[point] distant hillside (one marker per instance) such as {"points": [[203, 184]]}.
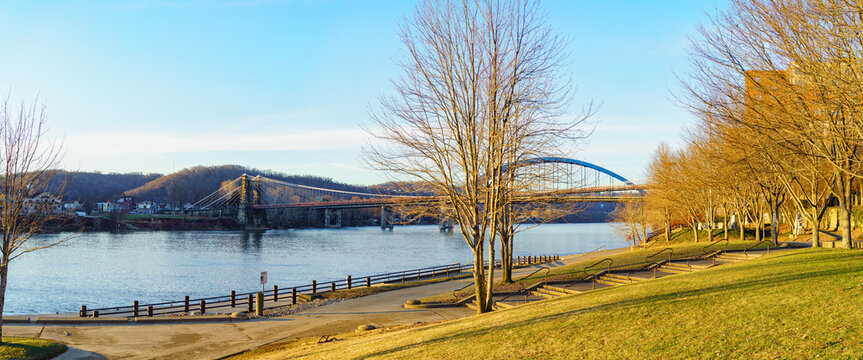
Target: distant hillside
{"points": [[192, 184], [92, 187]]}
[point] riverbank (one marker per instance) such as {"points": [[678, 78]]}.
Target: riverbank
{"points": [[215, 340], [156, 222]]}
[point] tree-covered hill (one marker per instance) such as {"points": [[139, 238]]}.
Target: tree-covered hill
{"points": [[192, 184], [90, 187]]}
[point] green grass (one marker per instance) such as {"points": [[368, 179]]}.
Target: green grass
{"points": [[798, 304], [27, 348], [631, 259]]}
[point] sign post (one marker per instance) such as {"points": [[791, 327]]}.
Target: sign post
{"points": [[263, 280]]}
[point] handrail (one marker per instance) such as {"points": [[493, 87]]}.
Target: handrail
{"points": [[597, 249], [460, 289], [768, 241], [541, 268], [608, 267], [547, 270], [703, 250], [670, 253]]}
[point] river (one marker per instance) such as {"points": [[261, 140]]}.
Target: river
{"points": [[109, 269]]}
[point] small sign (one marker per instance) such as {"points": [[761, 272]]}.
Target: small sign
{"points": [[263, 277]]}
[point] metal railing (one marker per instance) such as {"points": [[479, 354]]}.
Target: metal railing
{"points": [[522, 289], [670, 254], [768, 241], [295, 294], [704, 249]]}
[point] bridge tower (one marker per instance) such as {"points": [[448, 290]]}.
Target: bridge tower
{"points": [[386, 218], [250, 195]]}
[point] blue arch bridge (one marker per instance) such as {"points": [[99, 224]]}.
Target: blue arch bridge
{"points": [[551, 180]]}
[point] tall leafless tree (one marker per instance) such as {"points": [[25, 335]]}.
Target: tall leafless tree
{"points": [[481, 87], [27, 200]]}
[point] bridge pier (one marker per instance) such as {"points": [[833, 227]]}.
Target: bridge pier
{"points": [[446, 224], [330, 215], [250, 195], [386, 218]]}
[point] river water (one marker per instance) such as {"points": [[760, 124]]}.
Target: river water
{"points": [[110, 269]]}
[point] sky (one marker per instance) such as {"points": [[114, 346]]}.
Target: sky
{"points": [[158, 85]]}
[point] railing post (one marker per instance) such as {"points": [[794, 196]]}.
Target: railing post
{"points": [[233, 298], [333, 286], [95, 313], [259, 304], [203, 306], [403, 276], [135, 308], [314, 287], [149, 310], [275, 293], [83, 312], [349, 282], [249, 301], [186, 303], [418, 274], [368, 281], [293, 296]]}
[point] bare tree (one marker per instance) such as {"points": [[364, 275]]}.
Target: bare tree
{"points": [[660, 198], [481, 87], [630, 220], [794, 66], [29, 163]]}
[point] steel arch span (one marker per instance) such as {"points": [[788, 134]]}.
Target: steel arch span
{"points": [[561, 160]]}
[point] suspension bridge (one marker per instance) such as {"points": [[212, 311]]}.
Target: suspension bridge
{"points": [[562, 180]]}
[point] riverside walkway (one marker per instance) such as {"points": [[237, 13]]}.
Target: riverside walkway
{"points": [[217, 340]]}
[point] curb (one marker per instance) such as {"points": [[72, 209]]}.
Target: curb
{"points": [[129, 321]]}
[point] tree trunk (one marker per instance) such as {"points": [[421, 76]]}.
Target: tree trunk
{"points": [[725, 222], [506, 256], [844, 182], [490, 276], [816, 224], [479, 273], [667, 230], [774, 230], [695, 229], [758, 226], [4, 273]]}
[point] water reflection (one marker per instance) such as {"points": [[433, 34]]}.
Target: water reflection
{"points": [[251, 240]]}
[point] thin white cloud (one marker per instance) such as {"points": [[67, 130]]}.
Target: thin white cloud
{"points": [[161, 142]]}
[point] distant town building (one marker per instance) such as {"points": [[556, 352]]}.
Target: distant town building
{"points": [[147, 207], [43, 202]]}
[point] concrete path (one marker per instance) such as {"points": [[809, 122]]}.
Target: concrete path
{"points": [[215, 340]]}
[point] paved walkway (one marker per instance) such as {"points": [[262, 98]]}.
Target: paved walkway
{"points": [[215, 340]]}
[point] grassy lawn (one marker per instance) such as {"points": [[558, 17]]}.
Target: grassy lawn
{"points": [[631, 259], [799, 304], [26, 348]]}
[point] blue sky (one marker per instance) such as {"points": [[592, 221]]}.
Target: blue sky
{"points": [[156, 86]]}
